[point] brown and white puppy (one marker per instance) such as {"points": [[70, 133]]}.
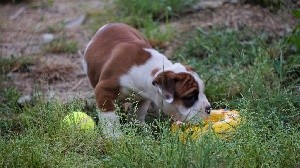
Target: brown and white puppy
{"points": [[119, 60]]}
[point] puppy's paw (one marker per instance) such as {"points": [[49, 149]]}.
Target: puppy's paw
{"points": [[110, 125], [111, 130]]}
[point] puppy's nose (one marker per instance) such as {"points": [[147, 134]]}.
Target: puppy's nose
{"points": [[207, 109]]}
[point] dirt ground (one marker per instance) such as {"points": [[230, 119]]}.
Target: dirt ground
{"points": [[61, 75]]}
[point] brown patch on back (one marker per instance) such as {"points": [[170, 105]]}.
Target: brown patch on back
{"points": [[105, 42], [113, 51]]}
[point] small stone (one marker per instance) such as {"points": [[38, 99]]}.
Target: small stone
{"points": [[75, 23], [210, 4], [47, 37], [27, 99], [10, 75]]}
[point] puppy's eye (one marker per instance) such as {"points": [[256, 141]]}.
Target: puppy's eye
{"points": [[190, 100]]}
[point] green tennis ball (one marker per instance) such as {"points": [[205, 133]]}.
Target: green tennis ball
{"points": [[79, 120]]}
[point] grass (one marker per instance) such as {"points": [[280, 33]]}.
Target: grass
{"points": [[62, 45], [157, 10], [14, 64], [44, 142], [158, 36], [41, 4], [262, 141], [55, 28], [236, 59], [252, 72]]}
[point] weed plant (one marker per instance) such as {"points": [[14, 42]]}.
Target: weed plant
{"points": [[61, 46], [14, 64], [156, 10]]}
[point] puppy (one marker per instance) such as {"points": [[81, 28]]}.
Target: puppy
{"points": [[119, 60]]}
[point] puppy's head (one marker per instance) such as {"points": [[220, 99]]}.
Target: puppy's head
{"points": [[183, 94]]}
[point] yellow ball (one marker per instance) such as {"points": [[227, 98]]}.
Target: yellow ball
{"points": [[79, 120]]}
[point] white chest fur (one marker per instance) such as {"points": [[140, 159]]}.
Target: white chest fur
{"points": [[139, 78]]}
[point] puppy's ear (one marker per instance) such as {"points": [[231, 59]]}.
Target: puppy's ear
{"points": [[165, 82]]}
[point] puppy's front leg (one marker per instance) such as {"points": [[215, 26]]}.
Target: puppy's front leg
{"points": [[106, 94]]}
